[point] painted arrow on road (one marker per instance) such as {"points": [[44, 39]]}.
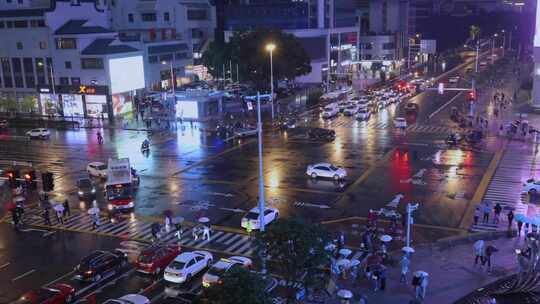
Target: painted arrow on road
{"points": [[395, 202], [233, 210], [302, 204], [220, 194]]}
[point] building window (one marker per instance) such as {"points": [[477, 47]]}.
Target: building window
{"points": [[66, 43], [67, 64], [166, 16], [196, 15], [9, 24], [2, 24], [6, 70], [17, 72], [19, 45], [20, 1], [181, 56], [148, 17], [130, 18], [166, 58], [75, 2], [37, 23], [43, 45], [152, 59], [20, 24], [64, 81], [76, 81], [28, 66], [92, 63], [388, 46], [197, 33]]}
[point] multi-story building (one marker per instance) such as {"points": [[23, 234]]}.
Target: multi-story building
{"points": [[92, 57]]}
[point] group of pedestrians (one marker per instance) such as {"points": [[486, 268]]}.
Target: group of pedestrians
{"points": [[485, 210], [483, 254], [62, 211]]}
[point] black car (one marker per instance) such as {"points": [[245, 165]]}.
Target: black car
{"points": [[85, 188], [321, 134], [97, 264]]}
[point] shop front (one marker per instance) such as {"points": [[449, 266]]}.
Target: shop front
{"points": [[74, 101]]}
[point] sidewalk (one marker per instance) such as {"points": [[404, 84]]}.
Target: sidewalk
{"points": [[452, 274]]}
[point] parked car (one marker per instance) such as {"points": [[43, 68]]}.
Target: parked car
{"points": [[98, 264], [213, 275], [246, 132], [531, 186], [40, 133], [129, 299], [326, 170], [156, 258], [55, 294], [85, 188], [251, 219], [97, 169], [321, 134], [186, 265]]}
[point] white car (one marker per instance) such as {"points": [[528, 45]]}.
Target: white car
{"points": [[363, 114], [330, 110], [39, 133], [251, 219], [129, 299], [400, 122], [326, 170], [186, 265], [453, 80], [246, 132], [343, 105], [97, 169], [531, 186], [351, 110], [213, 275]]}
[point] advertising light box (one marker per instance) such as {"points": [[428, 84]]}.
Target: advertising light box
{"points": [[127, 74]]}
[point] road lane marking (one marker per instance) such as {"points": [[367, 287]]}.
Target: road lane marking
{"points": [[5, 265], [444, 105], [370, 170], [23, 275], [60, 278]]}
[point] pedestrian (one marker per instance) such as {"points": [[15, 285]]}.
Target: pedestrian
{"points": [[178, 232], [510, 217], [46, 217], [476, 215], [404, 268], [382, 279], [15, 219], [487, 210], [496, 213], [478, 252], [94, 221], [167, 224], [417, 283], [195, 233], [67, 210], [375, 277], [59, 216], [487, 258], [526, 229], [519, 225], [206, 232]]}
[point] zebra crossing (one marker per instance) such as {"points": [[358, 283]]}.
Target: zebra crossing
{"points": [[432, 129], [505, 188]]}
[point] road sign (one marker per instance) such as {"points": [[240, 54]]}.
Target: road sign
{"points": [[250, 105], [440, 89]]}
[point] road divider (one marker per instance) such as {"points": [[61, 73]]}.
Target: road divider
{"points": [[23, 275]]}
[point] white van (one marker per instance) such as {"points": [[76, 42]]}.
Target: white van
{"points": [[330, 110]]}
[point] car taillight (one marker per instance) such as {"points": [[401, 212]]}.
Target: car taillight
{"points": [[89, 272]]}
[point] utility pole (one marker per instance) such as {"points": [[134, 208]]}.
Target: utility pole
{"points": [[261, 180], [477, 50], [237, 74], [410, 210]]}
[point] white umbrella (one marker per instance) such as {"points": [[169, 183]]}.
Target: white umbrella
{"points": [[421, 273], [344, 294], [385, 238], [204, 220], [408, 249], [93, 211], [19, 198], [58, 208], [329, 247], [343, 262], [478, 244], [355, 262], [345, 252]]}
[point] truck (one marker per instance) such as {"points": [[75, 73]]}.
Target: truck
{"points": [[121, 183]]}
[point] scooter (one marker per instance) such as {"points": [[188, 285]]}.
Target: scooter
{"points": [[145, 147]]}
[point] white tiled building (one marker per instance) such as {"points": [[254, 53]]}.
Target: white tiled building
{"points": [[92, 57]]}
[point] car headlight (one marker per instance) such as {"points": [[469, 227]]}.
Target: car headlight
{"points": [[80, 193], [110, 207], [93, 190], [131, 205]]}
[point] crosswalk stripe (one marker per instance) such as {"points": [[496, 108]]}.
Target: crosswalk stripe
{"points": [[246, 246], [236, 236], [235, 246]]}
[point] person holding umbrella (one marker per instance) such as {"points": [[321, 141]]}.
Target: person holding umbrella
{"points": [[59, 208], [46, 217], [487, 259], [67, 210], [478, 252], [510, 217]]}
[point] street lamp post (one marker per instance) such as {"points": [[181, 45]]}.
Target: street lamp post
{"points": [[504, 42], [261, 180], [270, 48], [173, 85], [41, 64], [493, 48]]}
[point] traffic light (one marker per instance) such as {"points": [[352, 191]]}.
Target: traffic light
{"points": [[30, 179], [472, 96], [48, 181]]}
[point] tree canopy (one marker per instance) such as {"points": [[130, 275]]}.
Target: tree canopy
{"points": [[239, 286], [248, 50], [298, 248]]}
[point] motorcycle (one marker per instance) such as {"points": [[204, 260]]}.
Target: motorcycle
{"points": [[145, 147]]}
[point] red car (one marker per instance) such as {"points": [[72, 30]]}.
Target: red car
{"points": [[54, 294], [156, 258]]}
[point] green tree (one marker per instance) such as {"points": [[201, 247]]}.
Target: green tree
{"points": [[28, 104], [474, 32], [8, 104], [290, 60], [298, 247], [238, 286]]}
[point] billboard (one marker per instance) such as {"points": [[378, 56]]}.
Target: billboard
{"points": [[126, 74]]}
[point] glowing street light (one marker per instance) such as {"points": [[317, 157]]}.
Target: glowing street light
{"points": [[270, 47]]}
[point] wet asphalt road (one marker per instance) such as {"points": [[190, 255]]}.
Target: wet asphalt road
{"points": [[195, 174]]}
